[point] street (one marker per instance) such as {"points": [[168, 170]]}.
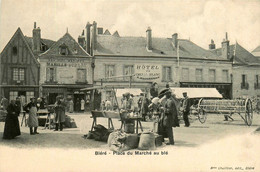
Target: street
{"points": [[203, 145]]}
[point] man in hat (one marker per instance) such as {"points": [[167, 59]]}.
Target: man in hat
{"points": [[186, 109], [170, 118]]}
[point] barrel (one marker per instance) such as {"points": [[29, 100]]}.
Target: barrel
{"points": [[147, 141], [129, 128]]}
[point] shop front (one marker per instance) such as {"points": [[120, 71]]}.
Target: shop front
{"points": [[69, 92], [225, 89], [25, 92]]}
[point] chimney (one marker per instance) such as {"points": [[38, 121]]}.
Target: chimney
{"points": [[149, 38], [175, 40], [225, 47], [212, 45], [100, 30], [88, 37], [81, 39], [93, 36], [36, 43]]}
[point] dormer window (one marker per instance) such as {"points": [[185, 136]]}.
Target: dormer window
{"points": [[63, 49], [14, 51]]}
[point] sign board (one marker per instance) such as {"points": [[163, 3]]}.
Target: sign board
{"points": [[147, 71]]}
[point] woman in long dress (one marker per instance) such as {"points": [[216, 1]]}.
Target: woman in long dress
{"points": [[12, 128], [33, 119], [82, 103]]}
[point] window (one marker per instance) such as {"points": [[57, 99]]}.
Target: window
{"points": [[257, 85], [109, 71], [185, 74], [244, 84], [244, 80], [63, 49], [51, 74], [29, 95], [13, 95], [15, 51], [212, 75], [198, 75], [128, 70], [225, 75], [81, 75], [167, 74], [18, 74]]}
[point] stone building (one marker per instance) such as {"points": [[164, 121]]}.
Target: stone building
{"points": [[65, 69], [20, 68], [245, 70], [178, 62]]}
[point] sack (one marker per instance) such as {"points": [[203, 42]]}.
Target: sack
{"points": [[147, 141], [120, 141]]}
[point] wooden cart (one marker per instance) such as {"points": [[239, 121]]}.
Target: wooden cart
{"points": [[242, 107]]}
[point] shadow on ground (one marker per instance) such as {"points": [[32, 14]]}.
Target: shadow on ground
{"points": [[51, 140]]}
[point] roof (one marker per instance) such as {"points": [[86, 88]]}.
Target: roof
{"points": [[19, 31], [136, 46], [74, 49], [197, 92], [257, 49], [239, 55], [47, 42]]}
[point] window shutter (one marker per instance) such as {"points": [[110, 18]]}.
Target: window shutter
{"points": [[47, 74], [55, 75], [163, 73], [106, 71]]}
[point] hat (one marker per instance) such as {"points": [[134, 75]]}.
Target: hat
{"points": [[184, 93], [32, 98], [168, 92]]}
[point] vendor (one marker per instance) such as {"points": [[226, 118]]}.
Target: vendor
{"points": [[128, 103]]}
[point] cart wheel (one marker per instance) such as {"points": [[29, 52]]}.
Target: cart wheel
{"points": [[202, 115], [249, 112]]}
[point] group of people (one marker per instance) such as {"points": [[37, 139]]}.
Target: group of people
{"points": [[165, 111], [14, 108]]}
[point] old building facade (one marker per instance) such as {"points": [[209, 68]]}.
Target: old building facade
{"points": [[20, 68], [65, 69], [178, 62]]}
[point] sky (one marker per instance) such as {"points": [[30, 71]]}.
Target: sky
{"points": [[197, 20]]}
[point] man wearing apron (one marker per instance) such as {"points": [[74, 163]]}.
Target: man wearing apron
{"points": [[33, 119]]}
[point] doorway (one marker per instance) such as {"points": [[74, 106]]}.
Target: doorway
{"points": [[77, 104], [52, 98]]}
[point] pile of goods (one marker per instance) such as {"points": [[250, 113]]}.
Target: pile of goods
{"points": [[3, 114], [100, 133], [120, 141], [70, 122]]}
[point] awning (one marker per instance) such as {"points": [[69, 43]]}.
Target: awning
{"points": [[197, 92], [134, 91]]}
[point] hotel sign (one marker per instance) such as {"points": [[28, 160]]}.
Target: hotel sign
{"points": [[147, 71]]}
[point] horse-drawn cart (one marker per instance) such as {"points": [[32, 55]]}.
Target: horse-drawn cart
{"points": [[242, 107]]}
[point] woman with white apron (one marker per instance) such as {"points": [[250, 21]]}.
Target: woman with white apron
{"points": [[33, 119]]}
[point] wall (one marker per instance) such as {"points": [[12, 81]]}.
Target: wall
{"points": [[66, 69], [119, 63], [23, 59], [237, 80]]}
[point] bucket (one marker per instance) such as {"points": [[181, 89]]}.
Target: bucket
{"points": [[147, 141], [129, 128]]}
